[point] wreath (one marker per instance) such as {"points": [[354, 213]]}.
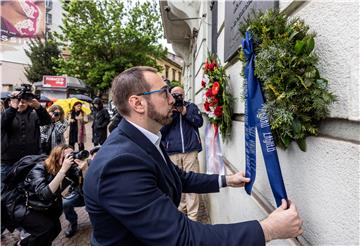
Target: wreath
{"points": [[218, 102], [296, 97]]}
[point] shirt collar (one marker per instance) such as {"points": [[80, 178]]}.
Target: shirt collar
{"points": [[154, 138]]}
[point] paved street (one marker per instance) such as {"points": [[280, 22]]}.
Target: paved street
{"points": [[83, 235]]}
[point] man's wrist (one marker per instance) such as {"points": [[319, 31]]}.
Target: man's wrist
{"points": [[266, 229]]}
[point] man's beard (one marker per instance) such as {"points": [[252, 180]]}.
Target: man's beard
{"points": [[156, 116]]}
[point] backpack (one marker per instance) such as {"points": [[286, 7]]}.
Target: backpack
{"points": [[13, 193]]}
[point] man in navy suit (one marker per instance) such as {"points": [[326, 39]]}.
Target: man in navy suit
{"points": [[132, 189]]}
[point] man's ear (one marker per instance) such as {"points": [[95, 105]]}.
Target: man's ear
{"points": [[137, 104]]}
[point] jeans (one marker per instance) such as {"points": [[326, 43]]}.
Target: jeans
{"points": [[5, 168], [74, 199]]}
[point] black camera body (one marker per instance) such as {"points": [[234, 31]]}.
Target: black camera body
{"points": [[25, 93], [74, 171], [179, 100]]}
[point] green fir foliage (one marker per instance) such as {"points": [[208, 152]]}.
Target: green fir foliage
{"points": [[297, 97], [106, 37], [42, 54]]}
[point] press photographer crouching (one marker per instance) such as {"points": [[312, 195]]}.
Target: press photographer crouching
{"points": [[75, 197], [43, 187]]}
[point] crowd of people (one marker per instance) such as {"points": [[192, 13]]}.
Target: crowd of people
{"points": [[141, 187], [51, 186]]}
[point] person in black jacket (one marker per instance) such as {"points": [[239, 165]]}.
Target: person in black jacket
{"points": [[20, 130], [182, 143], [101, 120], [43, 186], [115, 122]]}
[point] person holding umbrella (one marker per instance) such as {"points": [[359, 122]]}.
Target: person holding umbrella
{"points": [[78, 119], [101, 120]]}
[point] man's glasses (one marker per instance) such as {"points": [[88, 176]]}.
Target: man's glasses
{"points": [[162, 90]]}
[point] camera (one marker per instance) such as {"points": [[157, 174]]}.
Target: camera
{"points": [[179, 100], [81, 155], [25, 93], [74, 171], [56, 114]]}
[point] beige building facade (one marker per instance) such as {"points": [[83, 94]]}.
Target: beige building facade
{"points": [[324, 180]]}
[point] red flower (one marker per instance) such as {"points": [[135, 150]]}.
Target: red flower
{"points": [[218, 111], [215, 88], [211, 66], [203, 83], [207, 106], [208, 93], [214, 102]]}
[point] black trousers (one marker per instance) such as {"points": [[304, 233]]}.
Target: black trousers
{"points": [[43, 228]]}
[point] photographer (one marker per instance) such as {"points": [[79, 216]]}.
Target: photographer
{"points": [[53, 134], [43, 186], [20, 128], [75, 198], [182, 143]]}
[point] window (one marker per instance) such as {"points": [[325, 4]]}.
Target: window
{"points": [[167, 72], [48, 19], [179, 73], [173, 74], [49, 4]]}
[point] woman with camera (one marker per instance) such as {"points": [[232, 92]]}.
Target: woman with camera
{"points": [[77, 133], [53, 134], [43, 186]]}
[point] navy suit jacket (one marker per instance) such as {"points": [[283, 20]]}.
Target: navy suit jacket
{"points": [[132, 195]]}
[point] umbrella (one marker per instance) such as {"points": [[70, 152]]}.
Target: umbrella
{"points": [[44, 99], [5, 94], [67, 105], [81, 97]]}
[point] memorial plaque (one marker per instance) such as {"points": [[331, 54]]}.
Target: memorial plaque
{"points": [[235, 13]]}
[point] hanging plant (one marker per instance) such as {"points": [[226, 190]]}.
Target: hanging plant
{"points": [[297, 98], [218, 102]]}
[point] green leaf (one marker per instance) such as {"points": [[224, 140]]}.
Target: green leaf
{"points": [[302, 81], [310, 44], [302, 144], [299, 47]]}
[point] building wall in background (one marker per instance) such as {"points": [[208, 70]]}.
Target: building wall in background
{"points": [[324, 180]]}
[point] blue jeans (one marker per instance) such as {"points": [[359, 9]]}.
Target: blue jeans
{"points": [[74, 199], [5, 168]]}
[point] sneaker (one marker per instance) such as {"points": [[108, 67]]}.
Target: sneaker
{"points": [[71, 230]]}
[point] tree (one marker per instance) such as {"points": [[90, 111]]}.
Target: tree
{"points": [[105, 37], [42, 54]]}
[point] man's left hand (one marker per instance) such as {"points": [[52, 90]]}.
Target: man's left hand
{"points": [[34, 103], [237, 180]]}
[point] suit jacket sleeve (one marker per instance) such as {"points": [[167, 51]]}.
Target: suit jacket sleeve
{"points": [[130, 193], [197, 182]]}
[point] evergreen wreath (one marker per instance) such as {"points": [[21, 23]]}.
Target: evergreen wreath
{"points": [[296, 97], [218, 102]]}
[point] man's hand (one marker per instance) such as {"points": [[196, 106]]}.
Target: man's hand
{"points": [[14, 103], [282, 223], [34, 103], [183, 111], [237, 180]]}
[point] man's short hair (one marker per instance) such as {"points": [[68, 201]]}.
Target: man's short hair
{"points": [[129, 82]]}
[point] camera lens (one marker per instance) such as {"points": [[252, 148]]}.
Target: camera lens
{"points": [[56, 114]]}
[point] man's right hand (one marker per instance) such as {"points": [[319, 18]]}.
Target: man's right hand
{"points": [[283, 223], [14, 103]]}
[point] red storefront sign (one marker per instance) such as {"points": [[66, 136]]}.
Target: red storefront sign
{"points": [[54, 81]]}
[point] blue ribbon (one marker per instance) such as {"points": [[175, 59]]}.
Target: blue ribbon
{"points": [[255, 116]]}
